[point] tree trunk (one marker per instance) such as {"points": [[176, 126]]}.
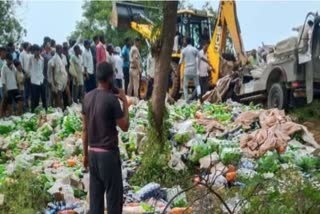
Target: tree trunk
{"points": [[163, 60]]}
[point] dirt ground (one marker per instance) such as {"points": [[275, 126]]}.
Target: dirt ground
{"points": [[314, 127]]}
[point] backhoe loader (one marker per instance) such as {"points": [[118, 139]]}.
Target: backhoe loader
{"points": [[190, 23]]}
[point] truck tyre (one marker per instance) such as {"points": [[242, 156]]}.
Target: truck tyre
{"points": [[174, 86], [277, 96]]}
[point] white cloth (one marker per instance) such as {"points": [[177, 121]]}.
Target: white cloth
{"points": [[9, 77], [36, 70], [176, 43], [87, 60], [189, 57], [203, 66], [118, 64], [24, 60], [151, 66]]}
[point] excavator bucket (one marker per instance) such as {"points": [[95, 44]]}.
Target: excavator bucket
{"points": [[123, 13]]}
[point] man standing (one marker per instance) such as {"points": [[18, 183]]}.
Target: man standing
{"points": [[101, 55], [135, 69], [203, 68], [189, 57], [36, 66], [2, 61], [24, 60], [126, 62], [101, 115], [151, 68], [76, 72], [88, 67], [58, 77], [46, 55], [10, 86], [118, 67]]}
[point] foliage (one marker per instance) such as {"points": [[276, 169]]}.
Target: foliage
{"points": [[181, 138], [280, 194], [269, 162], [155, 157], [96, 18], [23, 193], [11, 29]]}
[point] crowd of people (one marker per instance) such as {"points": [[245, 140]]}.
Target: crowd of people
{"points": [[59, 75]]}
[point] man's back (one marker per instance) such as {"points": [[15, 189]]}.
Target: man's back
{"points": [[190, 55], [102, 109]]}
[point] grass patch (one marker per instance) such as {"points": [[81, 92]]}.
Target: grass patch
{"points": [[307, 112]]}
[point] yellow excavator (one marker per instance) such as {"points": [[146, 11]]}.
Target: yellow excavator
{"points": [[190, 23]]}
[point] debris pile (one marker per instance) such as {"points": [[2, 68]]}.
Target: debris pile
{"points": [[227, 141]]}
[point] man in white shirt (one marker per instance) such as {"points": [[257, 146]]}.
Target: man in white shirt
{"points": [[35, 70], [58, 77], [24, 60], [118, 67], [189, 58], [203, 68], [151, 68], [10, 86], [88, 67], [2, 61]]}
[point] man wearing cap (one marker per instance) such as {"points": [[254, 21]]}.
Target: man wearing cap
{"points": [[88, 67], [135, 69]]}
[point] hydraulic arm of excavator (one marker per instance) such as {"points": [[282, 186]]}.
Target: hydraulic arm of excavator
{"points": [[126, 13], [227, 21]]}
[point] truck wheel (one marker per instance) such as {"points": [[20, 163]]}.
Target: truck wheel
{"points": [[277, 96], [174, 86]]}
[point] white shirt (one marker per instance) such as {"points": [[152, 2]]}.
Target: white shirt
{"points": [[87, 60], [36, 70], [118, 64], [189, 57], [151, 66], [8, 77], [176, 43], [24, 60], [203, 66], [2, 62]]}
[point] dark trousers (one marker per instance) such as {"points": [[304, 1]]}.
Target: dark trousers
{"points": [[204, 84], [38, 91], [150, 88], [126, 79], [118, 83], [77, 93], [27, 93], [90, 83], [105, 176]]}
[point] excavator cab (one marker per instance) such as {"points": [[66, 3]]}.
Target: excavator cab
{"points": [[196, 24]]}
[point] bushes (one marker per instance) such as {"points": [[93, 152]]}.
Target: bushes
{"points": [[24, 193]]}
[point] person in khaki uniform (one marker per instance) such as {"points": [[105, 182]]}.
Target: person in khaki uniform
{"points": [[135, 69], [76, 71]]}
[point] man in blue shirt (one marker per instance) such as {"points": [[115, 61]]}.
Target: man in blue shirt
{"points": [[126, 63]]}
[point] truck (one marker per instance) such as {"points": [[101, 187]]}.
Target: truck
{"points": [[293, 77]]}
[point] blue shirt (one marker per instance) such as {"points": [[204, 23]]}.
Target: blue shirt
{"points": [[125, 55]]}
